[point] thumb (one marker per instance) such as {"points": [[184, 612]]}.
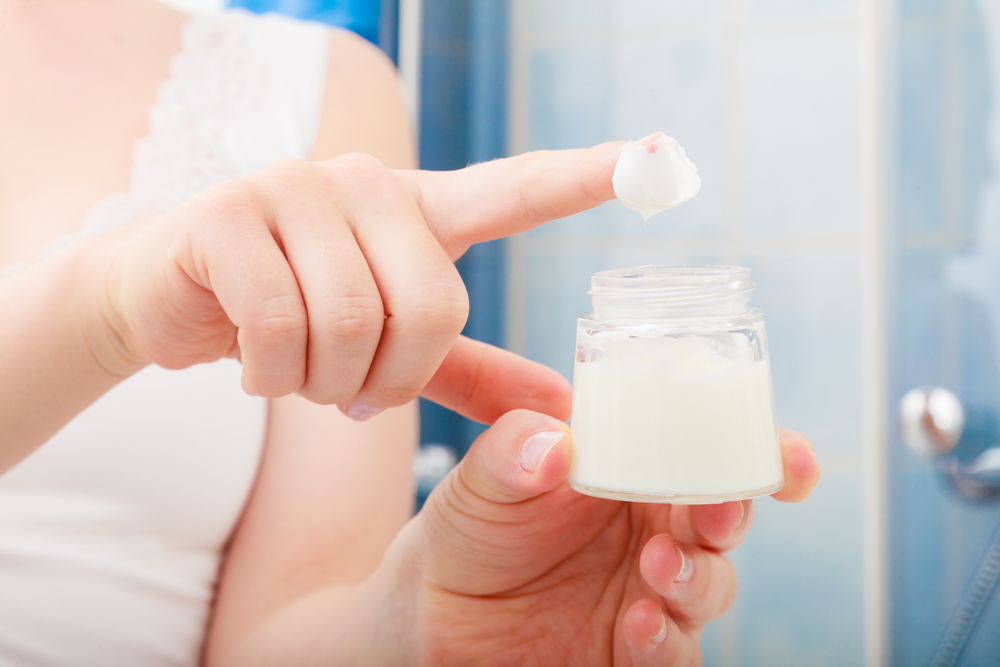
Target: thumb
{"points": [[524, 454]]}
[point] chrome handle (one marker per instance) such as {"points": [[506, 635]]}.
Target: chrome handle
{"points": [[964, 441], [931, 420]]}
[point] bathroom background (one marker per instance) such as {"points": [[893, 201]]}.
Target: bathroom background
{"points": [[849, 152]]}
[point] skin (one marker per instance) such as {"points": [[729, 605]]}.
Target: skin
{"points": [[334, 283], [506, 565]]}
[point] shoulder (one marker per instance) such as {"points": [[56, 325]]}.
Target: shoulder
{"points": [[363, 107]]}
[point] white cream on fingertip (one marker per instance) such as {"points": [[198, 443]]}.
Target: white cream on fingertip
{"points": [[654, 174]]}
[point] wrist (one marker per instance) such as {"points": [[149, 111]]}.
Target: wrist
{"points": [[59, 355], [99, 289]]}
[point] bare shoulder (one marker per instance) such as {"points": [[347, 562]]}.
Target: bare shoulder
{"points": [[363, 108]]}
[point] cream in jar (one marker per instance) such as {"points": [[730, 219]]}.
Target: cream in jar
{"points": [[672, 396]]}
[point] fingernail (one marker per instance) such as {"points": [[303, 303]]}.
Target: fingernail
{"points": [[739, 522], [645, 141], [662, 634], [687, 567], [537, 447], [359, 412]]}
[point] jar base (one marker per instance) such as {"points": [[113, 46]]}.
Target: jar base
{"points": [[677, 499]]}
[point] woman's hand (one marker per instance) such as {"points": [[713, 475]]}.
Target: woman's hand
{"points": [[507, 565], [334, 279]]}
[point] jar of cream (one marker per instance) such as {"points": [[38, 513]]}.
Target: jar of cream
{"points": [[672, 394]]}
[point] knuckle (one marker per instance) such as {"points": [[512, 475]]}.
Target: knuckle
{"points": [[281, 319], [438, 309], [360, 165], [352, 317], [285, 178], [356, 170], [286, 171], [230, 205]]}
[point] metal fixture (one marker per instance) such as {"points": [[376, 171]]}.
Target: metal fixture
{"points": [[965, 444]]}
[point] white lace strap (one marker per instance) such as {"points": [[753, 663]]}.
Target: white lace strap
{"points": [[244, 91]]}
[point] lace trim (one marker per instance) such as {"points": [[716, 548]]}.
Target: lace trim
{"points": [[223, 112], [217, 81]]}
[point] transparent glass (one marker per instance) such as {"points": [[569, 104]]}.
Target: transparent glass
{"points": [[672, 393]]}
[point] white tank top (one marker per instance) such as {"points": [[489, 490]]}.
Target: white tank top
{"points": [[111, 533]]}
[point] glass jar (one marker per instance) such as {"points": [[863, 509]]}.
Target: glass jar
{"points": [[672, 394]]}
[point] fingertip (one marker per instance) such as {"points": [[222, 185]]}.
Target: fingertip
{"points": [[647, 141], [554, 468], [794, 438], [524, 454], [802, 471], [717, 525], [646, 628], [660, 562]]}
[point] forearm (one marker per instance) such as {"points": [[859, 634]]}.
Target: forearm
{"points": [[331, 496], [57, 348], [373, 623]]}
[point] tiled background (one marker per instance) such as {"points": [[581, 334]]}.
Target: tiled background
{"points": [[947, 287], [743, 86], [767, 97]]}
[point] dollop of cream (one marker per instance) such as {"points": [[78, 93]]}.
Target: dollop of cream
{"points": [[654, 174]]}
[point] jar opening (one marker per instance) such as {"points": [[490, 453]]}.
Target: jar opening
{"points": [[669, 292]]}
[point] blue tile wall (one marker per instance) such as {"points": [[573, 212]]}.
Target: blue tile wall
{"points": [[944, 333], [918, 615], [568, 93], [799, 157], [800, 563], [571, 14], [978, 99], [764, 94], [743, 89], [925, 9], [677, 84], [920, 120], [643, 13], [814, 331], [795, 9]]}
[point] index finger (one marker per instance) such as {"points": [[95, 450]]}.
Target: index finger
{"points": [[495, 199]]}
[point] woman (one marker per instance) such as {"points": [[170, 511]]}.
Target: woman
{"points": [[174, 514]]}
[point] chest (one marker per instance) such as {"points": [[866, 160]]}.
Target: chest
{"points": [[77, 90]]}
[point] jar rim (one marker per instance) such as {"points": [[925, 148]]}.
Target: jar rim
{"points": [[673, 282]]}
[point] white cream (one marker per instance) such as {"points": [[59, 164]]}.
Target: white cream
{"points": [[654, 174], [683, 419]]}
